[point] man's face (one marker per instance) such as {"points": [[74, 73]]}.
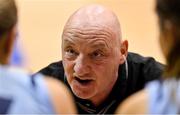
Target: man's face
{"points": [[91, 61]]}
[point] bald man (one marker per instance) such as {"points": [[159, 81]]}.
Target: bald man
{"points": [[96, 64]]}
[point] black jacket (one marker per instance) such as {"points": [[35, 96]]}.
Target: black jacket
{"points": [[140, 71]]}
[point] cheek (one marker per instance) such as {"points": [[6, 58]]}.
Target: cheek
{"points": [[68, 67], [67, 63], [104, 73], [106, 78]]}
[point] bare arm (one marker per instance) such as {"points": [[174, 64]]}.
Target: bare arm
{"points": [[135, 104], [61, 97]]}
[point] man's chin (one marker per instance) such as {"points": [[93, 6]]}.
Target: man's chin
{"points": [[84, 94]]}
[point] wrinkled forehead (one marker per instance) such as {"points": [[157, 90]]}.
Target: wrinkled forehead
{"points": [[88, 39], [89, 32], [89, 35]]}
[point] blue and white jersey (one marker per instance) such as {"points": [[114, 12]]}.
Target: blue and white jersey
{"points": [[164, 97], [22, 93]]}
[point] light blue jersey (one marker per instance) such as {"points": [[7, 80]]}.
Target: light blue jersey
{"points": [[22, 93], [164, 97]]}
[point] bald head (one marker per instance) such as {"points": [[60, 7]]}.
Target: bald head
{"points": [[95, 16]]}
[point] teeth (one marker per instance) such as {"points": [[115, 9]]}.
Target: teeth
{"points": [[83, 79]]}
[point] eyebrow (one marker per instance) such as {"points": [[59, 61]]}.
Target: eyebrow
{"points": [[100, 46], [67, 41], [95, 45]]}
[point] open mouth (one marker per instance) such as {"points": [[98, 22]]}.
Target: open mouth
{"points": [[85, 81]]}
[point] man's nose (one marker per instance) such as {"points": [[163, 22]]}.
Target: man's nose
{"points": [[81, 66]]}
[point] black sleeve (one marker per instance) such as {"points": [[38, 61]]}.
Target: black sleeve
{"points": [[152, 69], [141, 70], [54, 70], [146, 68]]}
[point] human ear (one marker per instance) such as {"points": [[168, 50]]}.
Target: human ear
{"points": [[123, 51]]}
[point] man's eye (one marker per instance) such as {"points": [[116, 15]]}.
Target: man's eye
{"points": [[71, 52], [97, 54]]}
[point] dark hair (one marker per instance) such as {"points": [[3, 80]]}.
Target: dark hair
{"points": [[8, 15], [169, 10]]}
